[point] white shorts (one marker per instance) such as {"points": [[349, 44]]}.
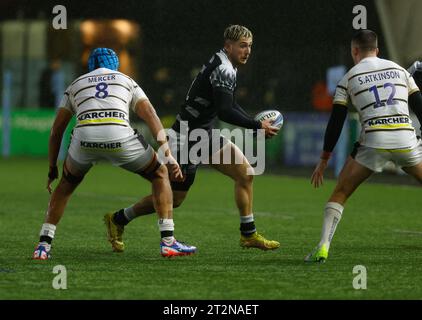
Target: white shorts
{"points": [[132, 153], [376, 159]]}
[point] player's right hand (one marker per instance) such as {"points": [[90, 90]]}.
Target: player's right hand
{"points": [[270, 131], [318, 174], [53, 174], [174, 169]]}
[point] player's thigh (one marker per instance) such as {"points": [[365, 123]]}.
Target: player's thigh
{"points": [[148, 166], [232, 162], [351, 176], [414, 171], [77, 164], [137, 156], [411, 162]]}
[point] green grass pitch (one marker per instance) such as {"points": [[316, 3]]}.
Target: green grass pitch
{"points": [[381, 229]]}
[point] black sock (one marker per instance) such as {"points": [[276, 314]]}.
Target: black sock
{"points": [[46, 239], [165, 234], [247, 229], [120, 218]]}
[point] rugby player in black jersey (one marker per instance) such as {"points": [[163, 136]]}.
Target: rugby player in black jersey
{"points": [[211, 97]]}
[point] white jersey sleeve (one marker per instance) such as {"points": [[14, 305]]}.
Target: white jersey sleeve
{"points": [[66, 102], [138, 95], [341, 95]]}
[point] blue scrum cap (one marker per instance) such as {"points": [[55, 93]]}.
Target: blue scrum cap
{"points": [[103, 58]]}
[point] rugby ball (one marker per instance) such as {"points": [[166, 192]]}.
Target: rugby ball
{"points": [[273, 115]]}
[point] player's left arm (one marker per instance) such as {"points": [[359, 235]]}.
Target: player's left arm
{"points": [[237, 107], [145, 110], [226, 110], [223, 82]]}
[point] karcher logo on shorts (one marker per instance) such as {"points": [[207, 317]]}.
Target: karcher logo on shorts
{"points": [[101, 145]]}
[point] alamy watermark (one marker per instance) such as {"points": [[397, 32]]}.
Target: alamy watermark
{"points": [[212, 146], [360, 280], [360, 21], [60, 20], [60, 281]]}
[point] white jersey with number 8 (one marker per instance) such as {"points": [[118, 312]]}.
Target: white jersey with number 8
{"points": [[379, 89], [101, 101]]}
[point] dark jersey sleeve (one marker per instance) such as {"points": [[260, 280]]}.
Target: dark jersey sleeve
{"points": [[415, 103], [240, 109], [223, 82], [416, 71], [230, 112], [334, 127]]}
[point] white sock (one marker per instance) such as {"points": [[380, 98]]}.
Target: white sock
{"points": [[332, 216], [166, 225], [129, 213], [247, 225], [246, 219], [48, 230]]}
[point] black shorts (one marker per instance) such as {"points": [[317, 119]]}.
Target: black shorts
{"points": [[181, 145]]}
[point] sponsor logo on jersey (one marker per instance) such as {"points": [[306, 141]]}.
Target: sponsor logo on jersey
{"points": [[101, 115], [388, 121]]}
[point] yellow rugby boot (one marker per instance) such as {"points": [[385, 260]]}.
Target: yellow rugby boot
{"points": [[258, 241], [114, 233]]}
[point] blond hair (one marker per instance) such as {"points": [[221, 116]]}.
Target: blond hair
{"points": [[235, 32]]}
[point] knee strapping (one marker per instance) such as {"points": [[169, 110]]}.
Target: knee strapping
{"points": [[69, 177]]}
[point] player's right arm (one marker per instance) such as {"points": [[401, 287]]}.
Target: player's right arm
{"points": [[332, 132], [63, 117]]}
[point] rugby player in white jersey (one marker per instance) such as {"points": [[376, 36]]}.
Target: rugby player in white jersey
{"points": [[100, 100], [382, 92], [211, 96]]}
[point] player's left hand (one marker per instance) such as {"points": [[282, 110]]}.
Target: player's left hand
{"points": [[270, 131], [174, 169], [53, 174], [318, 174]]}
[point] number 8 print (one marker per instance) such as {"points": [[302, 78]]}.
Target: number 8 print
{"points": [[101, 88]]}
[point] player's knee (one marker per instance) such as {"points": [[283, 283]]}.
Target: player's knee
{"points": [[340, 194], [245, 178], [178, 199], [70, 178], [161, 172], [177, 203], [250, 172]]}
